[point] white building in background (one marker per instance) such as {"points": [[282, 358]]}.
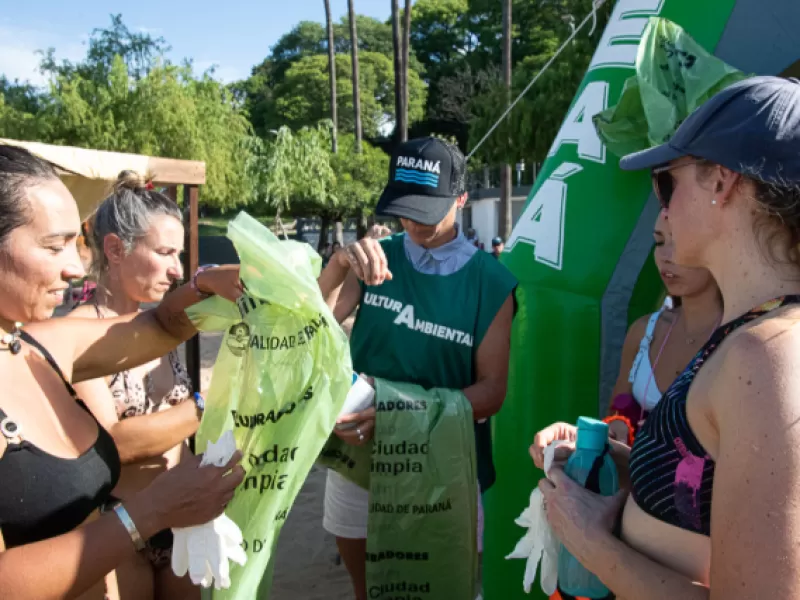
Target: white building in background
{"points": [[482, 212]]}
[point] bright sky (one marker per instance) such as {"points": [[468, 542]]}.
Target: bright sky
{"points": [[232, 35]]}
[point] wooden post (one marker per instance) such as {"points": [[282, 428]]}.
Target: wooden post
{"points": [[191, 261]]}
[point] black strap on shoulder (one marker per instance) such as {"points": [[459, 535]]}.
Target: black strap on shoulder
{"points": [[26, 337]]}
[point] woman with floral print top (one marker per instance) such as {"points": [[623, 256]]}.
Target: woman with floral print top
{"points": [[137, 238]]}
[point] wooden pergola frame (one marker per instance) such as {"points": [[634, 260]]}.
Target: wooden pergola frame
{"points": [[90, 175]]}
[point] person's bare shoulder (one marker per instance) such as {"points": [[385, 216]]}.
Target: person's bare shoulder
{"points": [[83, 312], [775, 339], [758, 366], [638, 327], [58, 335]]}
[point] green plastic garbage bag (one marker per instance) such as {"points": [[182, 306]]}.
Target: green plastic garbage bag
{"points": [[280, 380], [351, 462], [674, 75], [422, 530]]}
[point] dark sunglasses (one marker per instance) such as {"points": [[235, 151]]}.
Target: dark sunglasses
{"points": [[664, 184]]}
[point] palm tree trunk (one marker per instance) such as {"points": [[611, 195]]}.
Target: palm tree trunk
{"points": [[400, 127], [324, 226], [332, 75], [362, 226], [356, 90], [406, 47], [506, 217]]}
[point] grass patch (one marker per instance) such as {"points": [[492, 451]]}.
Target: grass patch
{"points": [[213, 226]]}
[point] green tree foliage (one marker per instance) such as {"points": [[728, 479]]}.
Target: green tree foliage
{"points": [[295, 168], [125, 97], [535, 120], [360, 177], [304, 98], [295, 74], [297, 174], [441, 35], [459, 44], [20, 103], [308, 38], [373, 36]]}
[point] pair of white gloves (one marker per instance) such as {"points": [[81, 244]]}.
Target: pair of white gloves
{"points": [[204, 550], [538, 543]]}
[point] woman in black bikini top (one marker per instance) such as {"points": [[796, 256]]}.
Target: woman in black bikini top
{"points": [[67, 490], [57, 465], [715, 471]]}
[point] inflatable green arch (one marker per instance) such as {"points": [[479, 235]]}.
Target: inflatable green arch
{"points": [[582, 251]]}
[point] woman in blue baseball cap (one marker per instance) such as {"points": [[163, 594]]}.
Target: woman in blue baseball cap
{"points": [[714, 473]]}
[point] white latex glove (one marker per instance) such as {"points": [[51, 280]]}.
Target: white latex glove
{"points": [[216, 543], [204, 550], [538, 543], [180, 552]]}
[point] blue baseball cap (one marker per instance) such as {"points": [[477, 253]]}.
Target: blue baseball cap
{"points": [[751, 127]]}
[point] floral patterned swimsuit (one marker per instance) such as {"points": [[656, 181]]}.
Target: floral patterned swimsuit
{"points": [[133, 397]]}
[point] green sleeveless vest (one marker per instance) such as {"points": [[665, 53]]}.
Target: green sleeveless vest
{"points": [[425, 329]]}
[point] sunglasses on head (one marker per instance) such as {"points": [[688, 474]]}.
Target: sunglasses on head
{"points": [[664, 184]]}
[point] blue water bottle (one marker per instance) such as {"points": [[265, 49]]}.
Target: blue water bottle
{"points": [[592, 467]]}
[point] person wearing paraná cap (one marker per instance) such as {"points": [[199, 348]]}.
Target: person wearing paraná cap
{"points": [[715, 470], [435, 271]]}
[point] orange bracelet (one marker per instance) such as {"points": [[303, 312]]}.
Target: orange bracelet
{"points": [[627, 422]]}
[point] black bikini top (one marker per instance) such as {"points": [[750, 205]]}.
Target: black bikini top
{"points": [[44, 496]]}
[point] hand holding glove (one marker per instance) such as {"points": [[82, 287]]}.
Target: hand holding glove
{"points": [[204, 550]]}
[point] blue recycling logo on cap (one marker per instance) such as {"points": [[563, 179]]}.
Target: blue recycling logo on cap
{"points": [[417, 171]]}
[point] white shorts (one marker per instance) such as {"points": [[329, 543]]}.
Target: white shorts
{"points": [[347, 509]]}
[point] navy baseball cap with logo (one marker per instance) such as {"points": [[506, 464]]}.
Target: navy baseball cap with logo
{"points": [[426, 176], [751, 127]]}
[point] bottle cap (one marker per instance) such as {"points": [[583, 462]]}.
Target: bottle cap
{"points": [[592, 434]]}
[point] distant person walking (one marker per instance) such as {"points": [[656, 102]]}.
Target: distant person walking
{"points": [[497, 247]]}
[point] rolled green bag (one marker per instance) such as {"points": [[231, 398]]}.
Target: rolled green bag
{"points": [[279, 382], [674, 76], [351, 462], [422, 530]]}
